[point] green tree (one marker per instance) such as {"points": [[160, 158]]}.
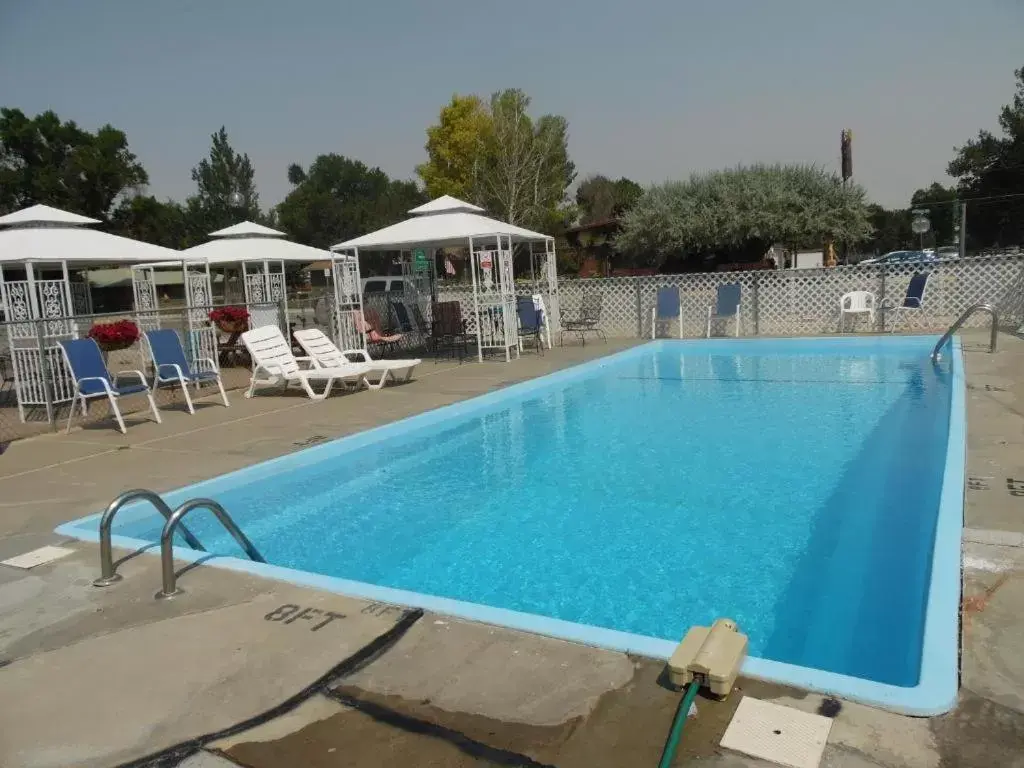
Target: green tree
{"points": [[892, 230], [143, 217], [45, 160], [992, 166], [218, 177], [454, 149], [339, 198], [500, 158], [599, 198], [940, 203], [737, 214]]}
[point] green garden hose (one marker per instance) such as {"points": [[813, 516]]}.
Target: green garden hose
{"points": [[677, 725]]}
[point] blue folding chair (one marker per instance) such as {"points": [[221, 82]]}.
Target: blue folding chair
{"points": [[666, 310], [530, 322], [172, 366], [726, 306], [92, 379]]}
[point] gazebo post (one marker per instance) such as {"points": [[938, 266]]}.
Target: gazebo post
{"points": [[476, 302]]}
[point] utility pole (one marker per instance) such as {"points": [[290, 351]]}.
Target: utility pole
{"points": [[963, 230]]}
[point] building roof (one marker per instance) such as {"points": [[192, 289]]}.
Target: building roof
{"points": [[450, 223], [45, 234]]}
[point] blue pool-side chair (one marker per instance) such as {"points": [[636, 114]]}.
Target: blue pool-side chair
{"points": [[914, 299], [667, 308], [92, 379], [727, 306], [530, 322], [172, 366]]}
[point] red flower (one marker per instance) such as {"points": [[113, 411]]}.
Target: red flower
{"points": [[122, 332], [230, 315]]}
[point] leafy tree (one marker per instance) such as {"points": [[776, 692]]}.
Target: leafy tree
{"points": [[500, 158], [339, 198], [218, 177], [940, 203], [599, 198], [454, 149], [993, 166], [737, 214], [892, 230], [143, 217], [45, 160]]}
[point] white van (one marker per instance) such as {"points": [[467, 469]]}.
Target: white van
{"points": [[383, 283]]}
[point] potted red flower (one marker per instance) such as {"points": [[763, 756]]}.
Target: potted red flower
{"points": [[113, 336], [231, 319]]}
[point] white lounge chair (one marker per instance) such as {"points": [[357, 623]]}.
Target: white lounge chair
{"points": [[272, 355], [325, 354]]}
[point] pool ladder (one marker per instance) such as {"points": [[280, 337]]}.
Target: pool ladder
{"points": [[108, 575], [948, 335]]}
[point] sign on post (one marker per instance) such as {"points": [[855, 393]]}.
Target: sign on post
{"points": [[419, 261]]}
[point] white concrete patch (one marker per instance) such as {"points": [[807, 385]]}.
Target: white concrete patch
{"points": [[995, 538], [36, 557], [973, 563], [779, 734]]}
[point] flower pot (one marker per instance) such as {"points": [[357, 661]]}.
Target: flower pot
{"points": [[233, 326], [113, 346]]}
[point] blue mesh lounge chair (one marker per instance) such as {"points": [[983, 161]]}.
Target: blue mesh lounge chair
{"points": [[727, 306], [666, 310], [530, 322], [172, 366], [92, 379], [914, 300]]}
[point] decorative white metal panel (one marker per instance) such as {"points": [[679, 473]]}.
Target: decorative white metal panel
{"points": [[200, 336], [147, 302], [494, 318], [348, 301]]}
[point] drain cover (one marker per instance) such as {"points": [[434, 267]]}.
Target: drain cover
{"points": [[780, 734]]}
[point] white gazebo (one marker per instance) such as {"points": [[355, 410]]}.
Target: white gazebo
{"points": [[447, 223], [248, 254], [44, 253]]}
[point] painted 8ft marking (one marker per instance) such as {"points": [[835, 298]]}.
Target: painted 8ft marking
{"points": [[290, 612]]}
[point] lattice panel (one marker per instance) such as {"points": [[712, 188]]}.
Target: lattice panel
{"points": [[806, 301]]}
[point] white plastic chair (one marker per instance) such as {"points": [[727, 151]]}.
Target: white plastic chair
{"points": [[272, 355], [857, 303]]}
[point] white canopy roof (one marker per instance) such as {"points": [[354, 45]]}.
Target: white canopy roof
{"points": [[44, 234], [446, 221], [248, 241]]}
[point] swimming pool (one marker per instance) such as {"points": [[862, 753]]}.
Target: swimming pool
{"points": [[810, 489]]}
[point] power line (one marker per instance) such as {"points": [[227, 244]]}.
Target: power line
{"points": [[967, 200]]}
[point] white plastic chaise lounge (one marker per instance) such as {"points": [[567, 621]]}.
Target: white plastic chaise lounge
{"points": [[272, 356], [323, 352]]}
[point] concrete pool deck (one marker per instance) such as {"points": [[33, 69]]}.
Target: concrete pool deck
{"points": [[102, 676]]}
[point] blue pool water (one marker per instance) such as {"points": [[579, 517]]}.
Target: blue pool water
{"points": [[792, 485]]}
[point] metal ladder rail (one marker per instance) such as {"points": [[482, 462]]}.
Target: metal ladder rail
{"points": [[108, 575], [948, 335], [170, 588]]}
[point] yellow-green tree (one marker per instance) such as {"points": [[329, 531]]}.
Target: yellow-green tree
{"points": [[455, 148]]}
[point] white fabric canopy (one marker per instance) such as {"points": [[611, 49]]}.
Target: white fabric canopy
{"points": [[44, 234], [446, 221], [248, 241]]}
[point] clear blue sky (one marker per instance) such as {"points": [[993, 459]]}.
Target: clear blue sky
{"points": [[652, 89]]}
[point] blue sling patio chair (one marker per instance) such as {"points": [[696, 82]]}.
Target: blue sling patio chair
{"points": [[666, 310], [531, 324], [92, 379], [172, 366], [726, 306], [913, 300]]}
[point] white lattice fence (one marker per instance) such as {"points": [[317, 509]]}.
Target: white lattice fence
{"points": [[806, 301]]}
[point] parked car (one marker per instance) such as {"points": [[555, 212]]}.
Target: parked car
{"points": [[904, 257]]}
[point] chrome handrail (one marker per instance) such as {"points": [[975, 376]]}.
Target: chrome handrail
{"points": [[983, 307], [108, 575], [170, 589]]}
